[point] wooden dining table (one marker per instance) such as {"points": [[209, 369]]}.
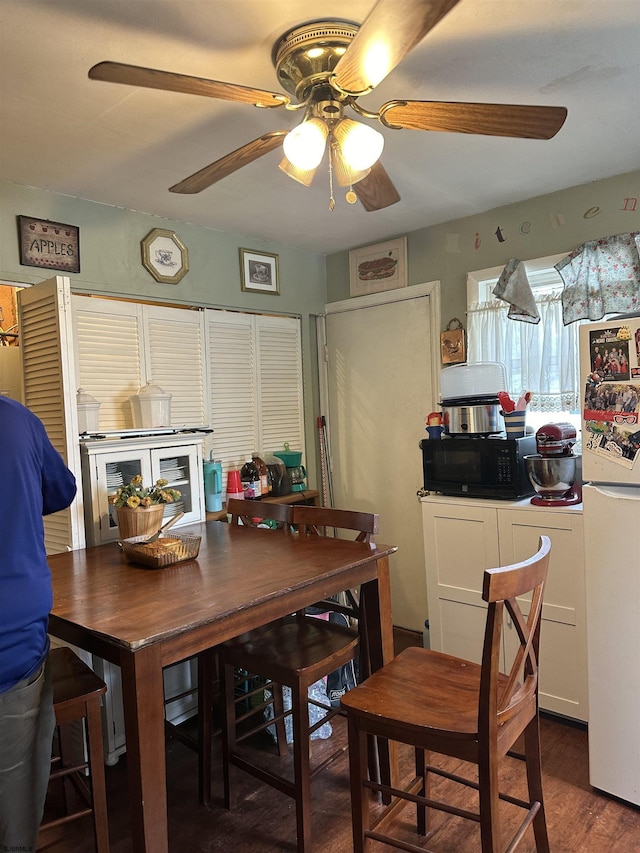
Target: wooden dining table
{"points": [[146, 619]]}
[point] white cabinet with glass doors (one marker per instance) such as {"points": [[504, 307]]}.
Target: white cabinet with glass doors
{"points": [[110, 463]]}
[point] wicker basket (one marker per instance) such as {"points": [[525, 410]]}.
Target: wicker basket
{"points": [[140, 521], [177, 548]]}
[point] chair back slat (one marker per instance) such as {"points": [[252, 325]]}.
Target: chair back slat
{"points": [[247, 511], [316, 520], [501, 589]]}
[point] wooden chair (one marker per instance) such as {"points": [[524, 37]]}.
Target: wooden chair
{"points": [[315, 520], [294, 652], [77, 693], [443, 704], [250, 513]]}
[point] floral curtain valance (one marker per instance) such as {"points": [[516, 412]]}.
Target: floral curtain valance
{"points": [[601, 277]]}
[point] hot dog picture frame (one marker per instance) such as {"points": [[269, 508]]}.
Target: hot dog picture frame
{"points": [[382, 266]]}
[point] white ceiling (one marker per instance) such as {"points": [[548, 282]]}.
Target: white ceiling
{"points": [[125, 146]]}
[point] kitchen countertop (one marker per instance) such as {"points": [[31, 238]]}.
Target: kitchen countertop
{"points": [[523, 503]]}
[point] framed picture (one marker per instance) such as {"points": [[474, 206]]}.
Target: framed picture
{"points": [[50, 245], [165, 256], [259, 271], [379, 267]]}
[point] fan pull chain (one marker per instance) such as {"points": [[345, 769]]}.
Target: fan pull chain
{"points": [[351, 197], [332, 201]]}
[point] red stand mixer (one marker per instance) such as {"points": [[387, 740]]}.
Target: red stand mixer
{"points": [[552, 470]]}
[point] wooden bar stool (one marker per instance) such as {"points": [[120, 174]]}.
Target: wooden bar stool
{"points": [[440, 704], [293, 652], [77, 693]]}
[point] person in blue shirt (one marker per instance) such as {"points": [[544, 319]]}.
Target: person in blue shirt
{"points": [[35, 482]]}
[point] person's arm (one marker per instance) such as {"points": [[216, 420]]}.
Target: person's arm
{"points": [[58, 483]]}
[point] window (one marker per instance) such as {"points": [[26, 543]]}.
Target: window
{"points": [[541, 358]]}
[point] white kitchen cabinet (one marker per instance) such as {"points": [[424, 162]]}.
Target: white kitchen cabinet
{"points": [[462, 538], [111, 462]]}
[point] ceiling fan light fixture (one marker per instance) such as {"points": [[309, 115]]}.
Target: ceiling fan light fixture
{"points": [[344, 175], [302, 176], [304, 145], [360, 144]]}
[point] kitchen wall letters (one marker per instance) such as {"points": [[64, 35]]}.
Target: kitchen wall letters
{"points": [[50, 245]]}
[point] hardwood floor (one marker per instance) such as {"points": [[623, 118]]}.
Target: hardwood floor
{"points": [[580, 820]]}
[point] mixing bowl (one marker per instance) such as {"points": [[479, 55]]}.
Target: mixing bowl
{"points": [[551, 476]]}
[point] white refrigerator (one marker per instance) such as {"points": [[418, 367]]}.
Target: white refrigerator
{"points": [[610, 373]]}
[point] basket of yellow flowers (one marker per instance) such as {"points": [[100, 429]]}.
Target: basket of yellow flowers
{"points": [[139, 508]]}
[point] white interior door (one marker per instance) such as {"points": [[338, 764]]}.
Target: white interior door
{"points": [[381, 353]]}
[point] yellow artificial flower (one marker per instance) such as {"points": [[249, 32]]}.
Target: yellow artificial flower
{"points": [[135, 495]]}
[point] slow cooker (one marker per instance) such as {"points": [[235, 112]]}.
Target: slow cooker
{"points": [[471, 416], [469, 398]]}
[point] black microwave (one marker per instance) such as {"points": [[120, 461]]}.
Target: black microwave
{"points": [[478, 467]]}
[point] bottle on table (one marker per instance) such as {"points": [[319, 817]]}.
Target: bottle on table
{"points": [[265, 479], [250, 476]]}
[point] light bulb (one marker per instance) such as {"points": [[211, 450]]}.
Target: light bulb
{"points": [[360, 144], [304, 145]]}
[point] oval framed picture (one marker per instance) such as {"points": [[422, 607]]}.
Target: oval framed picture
{"points": [[165, 256]]}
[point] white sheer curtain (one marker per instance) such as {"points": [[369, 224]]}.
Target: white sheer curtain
{"points": [[540, 358]]}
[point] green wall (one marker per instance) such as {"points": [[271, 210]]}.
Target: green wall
{"points": [[110, 261], [110, 264], [546, 225]]}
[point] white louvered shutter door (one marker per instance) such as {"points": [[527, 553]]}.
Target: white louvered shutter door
{"points": [[108, 346], [49, 391], [280, 402], [232, 369], [175, 360]]}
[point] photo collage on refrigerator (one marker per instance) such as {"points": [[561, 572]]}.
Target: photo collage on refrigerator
{"points": [[612, 395]]}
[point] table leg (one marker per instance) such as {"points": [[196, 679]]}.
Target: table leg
{"points": [[375, 601], [143, 696], [206, 669]]}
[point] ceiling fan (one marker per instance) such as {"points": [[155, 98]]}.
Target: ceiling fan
{"points": [[327, 66]]}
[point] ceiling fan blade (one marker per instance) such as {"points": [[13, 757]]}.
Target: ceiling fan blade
{"points": [[151, 78], [230, 163], [526, 122], [389, 32], [376, 190]]}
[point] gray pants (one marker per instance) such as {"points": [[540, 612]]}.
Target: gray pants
{"points": [[27, 722]]}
